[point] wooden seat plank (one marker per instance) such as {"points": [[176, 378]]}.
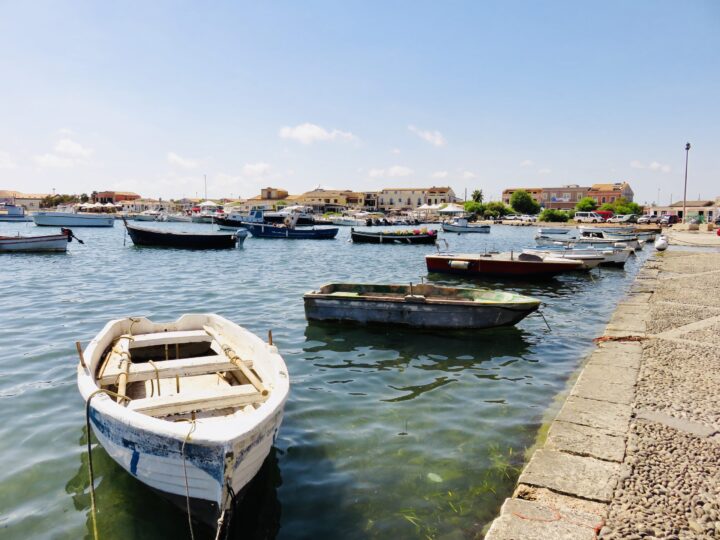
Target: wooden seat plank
{"points": [[182, 367], [169, 338], [218, 398]]}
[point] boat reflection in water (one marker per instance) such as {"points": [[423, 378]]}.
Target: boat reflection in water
{"points": [[126, 504]]}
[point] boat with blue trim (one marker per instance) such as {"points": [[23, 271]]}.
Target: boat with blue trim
{"points": [[190, 408]]}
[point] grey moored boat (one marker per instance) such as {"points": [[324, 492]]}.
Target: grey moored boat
{"points": [[422, 306]]}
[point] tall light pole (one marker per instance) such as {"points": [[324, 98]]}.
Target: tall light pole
{"points": [[687, 154]]}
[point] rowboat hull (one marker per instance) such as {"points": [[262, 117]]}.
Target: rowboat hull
{"points": [[273, 231], [67, 219], [29, 244], [422, 306], [611, 256], [184, 453], [169, 239], [362, 237], [449, 227], [479, 265]]}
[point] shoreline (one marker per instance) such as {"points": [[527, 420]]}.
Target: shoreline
{"points": [[595, 475]]}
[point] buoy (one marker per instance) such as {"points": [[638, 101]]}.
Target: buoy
{"points": [[661, 244]]}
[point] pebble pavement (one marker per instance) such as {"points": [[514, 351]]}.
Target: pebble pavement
{"points": [[635, 451]]}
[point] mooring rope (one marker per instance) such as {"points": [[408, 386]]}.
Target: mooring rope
{"points": [[91, 472], [187, 486]]}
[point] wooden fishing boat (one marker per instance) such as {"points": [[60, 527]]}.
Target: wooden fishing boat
{"points": [[143, 236], [73, 219], [422, 306], [611, 256], [13, 213], [266, 230], [394, 237], [45, 243], [190, 408], [461, 225], [504, 265], [552, 230], [545, 241]]}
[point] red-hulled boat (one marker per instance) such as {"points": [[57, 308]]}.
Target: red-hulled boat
{"points": [[501, 264]]}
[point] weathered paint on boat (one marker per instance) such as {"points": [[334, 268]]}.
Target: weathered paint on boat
{"points": [[143, 236], [500, 265], [219, 449], [422, 306], [275, 231], [392, 237], [45, 243]]}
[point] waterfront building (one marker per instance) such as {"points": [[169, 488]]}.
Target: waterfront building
{"points": [[706, 210], [608, 193], [269, 199], [564, 197], [29, 201], [329, 200], [410, 198], [535, 193], [114, 197]]}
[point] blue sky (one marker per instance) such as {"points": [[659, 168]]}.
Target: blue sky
{"points": [[149, 96]]}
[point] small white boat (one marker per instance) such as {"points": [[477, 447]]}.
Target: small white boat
{"points": [[174, 218], [661, 243], [348, 221], [611, 256], [147, 215], [45, 243], [73, 219], [196, 405], [461, 225], [553, 230], [13, 213]]}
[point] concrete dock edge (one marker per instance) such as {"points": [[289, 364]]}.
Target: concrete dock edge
{"points": [[566, 487]]}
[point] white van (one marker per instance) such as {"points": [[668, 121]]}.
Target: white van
{"points": [[588, 217]]}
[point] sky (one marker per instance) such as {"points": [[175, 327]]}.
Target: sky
{"points": [[151, 96]]}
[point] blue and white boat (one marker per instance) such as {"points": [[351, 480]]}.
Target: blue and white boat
{"points": [[553, 230], [14, 213], [190, 408], [611, 255], [461, 225]]}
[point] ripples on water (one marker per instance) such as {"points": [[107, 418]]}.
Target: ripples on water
{"points": [[387, 432]]}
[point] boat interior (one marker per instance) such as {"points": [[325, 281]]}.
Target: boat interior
{"points": [[413, 292], [181, 375]]}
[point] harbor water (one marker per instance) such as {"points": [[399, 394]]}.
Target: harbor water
{"points": [[388, 432]]}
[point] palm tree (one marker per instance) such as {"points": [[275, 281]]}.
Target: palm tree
{"points": [[477, 196]]}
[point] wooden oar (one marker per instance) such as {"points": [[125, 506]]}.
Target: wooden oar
{"points": [[235, 359]]}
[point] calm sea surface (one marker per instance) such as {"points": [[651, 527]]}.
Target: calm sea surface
{"points": [[388, 433]]}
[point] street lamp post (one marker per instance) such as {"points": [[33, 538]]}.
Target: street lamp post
{"points": [[687, 154]]}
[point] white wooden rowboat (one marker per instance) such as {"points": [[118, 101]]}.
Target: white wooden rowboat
{"points": [[45, 243], [202, 406]]}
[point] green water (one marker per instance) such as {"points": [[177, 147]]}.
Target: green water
{"points": [[387, 433]]}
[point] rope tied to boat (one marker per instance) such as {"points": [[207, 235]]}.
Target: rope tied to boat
{"points": [[187, 486], [91, 472]]}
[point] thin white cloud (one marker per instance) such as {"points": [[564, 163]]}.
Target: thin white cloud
{"points": [[396, 171], [653, 166], [527, 163], [433, 137], [53, 161], [255, 169], [467, 175], [544, 171], [185, 163], [6, 161], [72, 149], [308, 133], [396, 151], [440, 174]]}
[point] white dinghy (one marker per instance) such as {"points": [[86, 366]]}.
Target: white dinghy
{"points": [[191, 408]]}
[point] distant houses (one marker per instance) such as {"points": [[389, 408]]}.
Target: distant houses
{"points": [[566, 197]]}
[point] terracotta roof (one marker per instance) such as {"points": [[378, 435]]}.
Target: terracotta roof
{"points": [[617, 186]]}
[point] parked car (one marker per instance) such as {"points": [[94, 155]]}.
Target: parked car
{"points": [[623, 218], [648, 219], [588, 217], [511, 217], [529, 219], [668, 219]]}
